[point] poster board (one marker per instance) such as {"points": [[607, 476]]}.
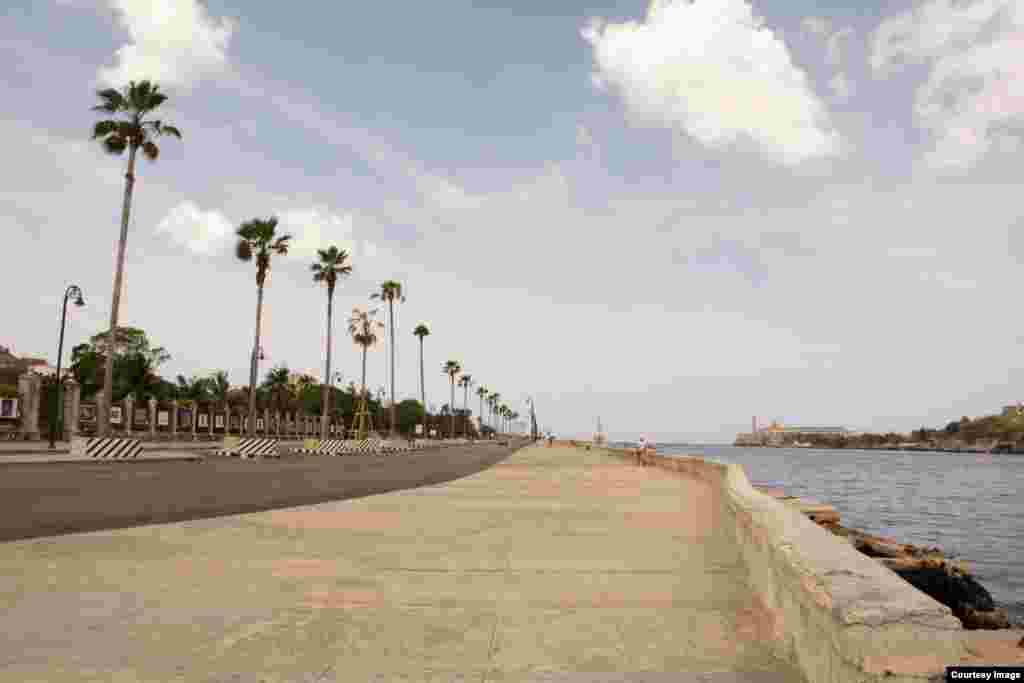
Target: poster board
{"points": [[204, 420], [8, 408], [163, 418], [115, 415]]}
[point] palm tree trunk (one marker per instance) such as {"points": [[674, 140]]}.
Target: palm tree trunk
{"points": [[481, 416], [255, 361], [362, 399], [115, 300], [423, 389], [327, 385], [465, 416], [452, 404], [391, 315]]}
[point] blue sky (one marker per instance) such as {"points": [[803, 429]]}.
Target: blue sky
{"points": [[675, 216]]}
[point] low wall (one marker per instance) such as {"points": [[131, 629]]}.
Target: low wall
{"points": [[839, 614]]}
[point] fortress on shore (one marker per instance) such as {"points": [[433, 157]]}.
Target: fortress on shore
{"points": [[778, 434]]}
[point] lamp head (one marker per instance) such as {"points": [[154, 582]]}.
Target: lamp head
{"points": [[76, 291]]}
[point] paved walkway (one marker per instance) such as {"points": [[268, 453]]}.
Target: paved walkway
{"points": [[554, 565]]}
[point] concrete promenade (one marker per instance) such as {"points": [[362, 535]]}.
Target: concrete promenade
{"points": [[556, 564]]}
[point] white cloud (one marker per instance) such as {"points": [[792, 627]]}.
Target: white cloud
{"points": [[713, 70], [976, 84], [172, 42], [315, 227], [837, 44], [199, 230], [816, 26], [841, 86]]}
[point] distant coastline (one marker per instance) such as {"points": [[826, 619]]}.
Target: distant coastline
{"points": [[1003, 433]]}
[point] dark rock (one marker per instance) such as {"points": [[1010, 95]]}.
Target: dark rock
{"points": [[992, 620], [958, 591]]}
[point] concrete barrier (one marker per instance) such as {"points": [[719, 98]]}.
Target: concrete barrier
{"points": [[840, 615]]}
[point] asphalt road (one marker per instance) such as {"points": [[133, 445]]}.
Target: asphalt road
{"points": [[52, 499]]}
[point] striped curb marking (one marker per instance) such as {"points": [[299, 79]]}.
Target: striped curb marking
{"points": [[251, 448], [113, 448]]}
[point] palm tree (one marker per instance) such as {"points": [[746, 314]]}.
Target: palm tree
{"points": [[452, 368], [277, 387], [257, 238], [465, 381], [193, 388], [481, 392], [327, 269], [363, 328], [514, 416], [390, 290], [219, 385], [495, 397], [422, 331], [131, 130]]}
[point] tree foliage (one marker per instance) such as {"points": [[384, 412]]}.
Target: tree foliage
{"points": [[136, 362]]}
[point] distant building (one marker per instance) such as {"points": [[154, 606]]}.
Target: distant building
{"points": [[778, 428], [13, 366]]}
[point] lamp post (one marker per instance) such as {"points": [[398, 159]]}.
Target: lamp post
{"points": [[71, 291]]}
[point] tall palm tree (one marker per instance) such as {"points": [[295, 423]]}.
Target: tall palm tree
{"points": [[258, 239], [363, 326], [390, 291], [481, 391], [452, 368], [422, 331], [327, 269], [465, 381], [130, 129], [514, 416], [495, 397]]}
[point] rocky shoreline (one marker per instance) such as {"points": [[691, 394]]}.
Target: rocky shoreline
{"points": [[926, 568]]}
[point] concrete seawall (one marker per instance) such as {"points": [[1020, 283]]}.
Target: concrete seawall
{"points": [[838, 614]]}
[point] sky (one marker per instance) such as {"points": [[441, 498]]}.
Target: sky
{"points": [[673, 216]]}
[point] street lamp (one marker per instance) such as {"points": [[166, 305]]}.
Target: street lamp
{"points": [[71, 291]]}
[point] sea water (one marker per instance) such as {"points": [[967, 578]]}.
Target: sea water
{"points": [[970, 505]]}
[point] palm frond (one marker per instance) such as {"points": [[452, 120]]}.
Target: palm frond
{"points": [[113, 101], [114, 144], [170, 130], [243, 250], [103, 128], [154, 100], [150, 150], [281, 244]]}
